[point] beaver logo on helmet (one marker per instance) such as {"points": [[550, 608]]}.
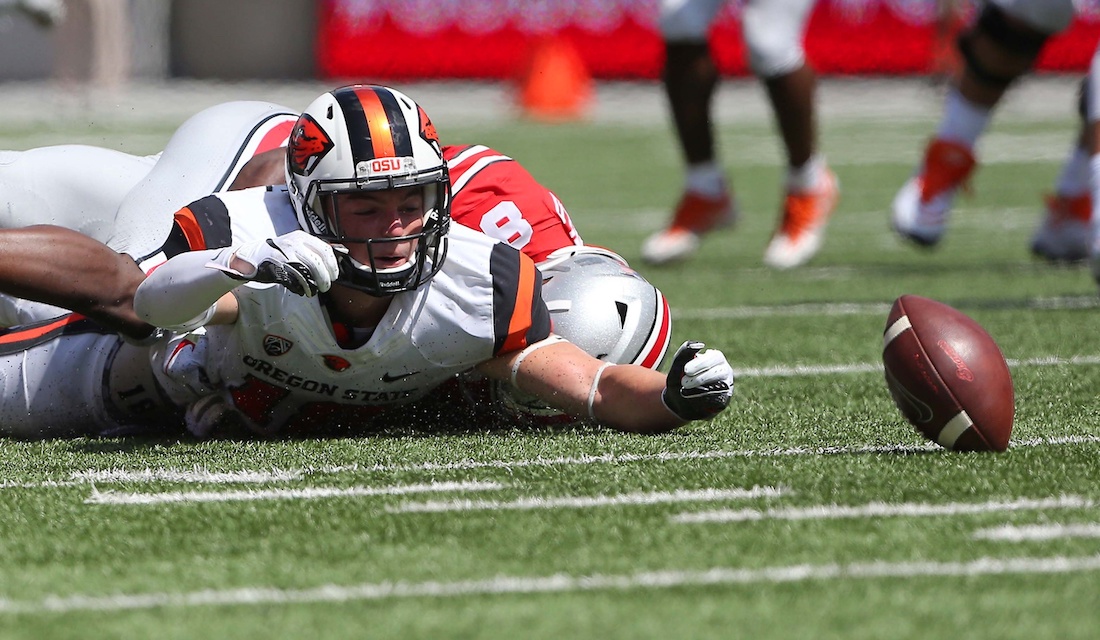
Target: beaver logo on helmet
{"points": [[308, 144], [427, 129]]}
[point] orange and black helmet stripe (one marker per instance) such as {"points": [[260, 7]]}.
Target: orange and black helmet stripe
{"points": [[376, 124]]}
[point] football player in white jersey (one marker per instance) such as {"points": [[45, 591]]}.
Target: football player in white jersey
{"points": [[239, 144], [409, 295], [615, 314]]}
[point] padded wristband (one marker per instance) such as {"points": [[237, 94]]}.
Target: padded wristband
{"points": [[531, 348], [592, 391]]}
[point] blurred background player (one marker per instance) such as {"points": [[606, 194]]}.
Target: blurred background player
{"points": [[1064, 232], [773, 32], [950, 20], [1069, 231], [1001, 45]]}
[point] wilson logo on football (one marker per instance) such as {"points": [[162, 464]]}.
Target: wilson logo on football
{"points": [[276, 345], [962, 371], [336, 363], [308, 144]]}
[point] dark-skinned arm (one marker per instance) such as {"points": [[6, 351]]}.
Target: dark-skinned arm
{"points": [[68, 269]]}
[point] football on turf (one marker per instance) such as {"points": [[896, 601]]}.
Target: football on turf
{"points": [[947, 376]]}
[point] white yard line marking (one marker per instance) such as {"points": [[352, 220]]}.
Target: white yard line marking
{"points": [[788, 310], [883, 510], [1038, 532], [825, 309], [694, 455], [465, 465], [799, 371], [876, 367], [111, 497], [582, 502], [559, 583], [196, 476]]}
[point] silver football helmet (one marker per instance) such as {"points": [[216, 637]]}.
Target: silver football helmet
{"points": [[600, 304]]}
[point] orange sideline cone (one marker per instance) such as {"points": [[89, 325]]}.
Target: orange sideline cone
{"points": [[554, 84]]}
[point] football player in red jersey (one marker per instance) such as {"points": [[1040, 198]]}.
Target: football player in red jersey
{"points": [[494, 194]]}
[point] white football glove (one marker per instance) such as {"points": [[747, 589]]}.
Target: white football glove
{"points": [[699, 383], [297, 260]]}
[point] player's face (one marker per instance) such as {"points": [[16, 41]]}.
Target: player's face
{"points": [[379, 215]]}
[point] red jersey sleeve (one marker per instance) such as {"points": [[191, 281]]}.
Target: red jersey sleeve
{"points": [[494, 194]]}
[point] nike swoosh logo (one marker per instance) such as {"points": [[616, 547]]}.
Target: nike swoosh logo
{"points": [[386, 377]]}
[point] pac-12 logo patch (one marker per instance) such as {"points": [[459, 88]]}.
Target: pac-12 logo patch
{"points": [[276, 345], [308, 144]]}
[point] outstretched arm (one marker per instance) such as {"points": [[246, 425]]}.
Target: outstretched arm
{"points": [[189, 290], [66, 268], [626, 397]]}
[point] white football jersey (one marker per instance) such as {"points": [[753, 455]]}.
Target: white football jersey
{"points": [[283, 368]]}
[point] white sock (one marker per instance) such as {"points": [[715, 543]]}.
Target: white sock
{"points": [[1074, 177], [1094, 187], [705, 179], [805, 178], [963, 121]]}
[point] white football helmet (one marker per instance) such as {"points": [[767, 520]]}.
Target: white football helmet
{"points": [[367, 138]]}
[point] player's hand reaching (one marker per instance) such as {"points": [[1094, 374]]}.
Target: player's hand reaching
{"points": [[297, 260], [699, 384]]}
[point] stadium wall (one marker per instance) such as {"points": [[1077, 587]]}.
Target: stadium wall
{"points": [[461, 39], [618, 39]]}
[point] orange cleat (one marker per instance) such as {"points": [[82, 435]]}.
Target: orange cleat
{"points": [[694, 216], [923, 204], [802, 226], [1064, 234]]}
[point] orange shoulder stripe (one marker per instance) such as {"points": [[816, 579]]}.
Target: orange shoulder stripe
{"points": [[521, 314], [185, 219]]}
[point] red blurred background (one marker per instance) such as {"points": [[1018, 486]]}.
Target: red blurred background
{"points": [[618, 39]]}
